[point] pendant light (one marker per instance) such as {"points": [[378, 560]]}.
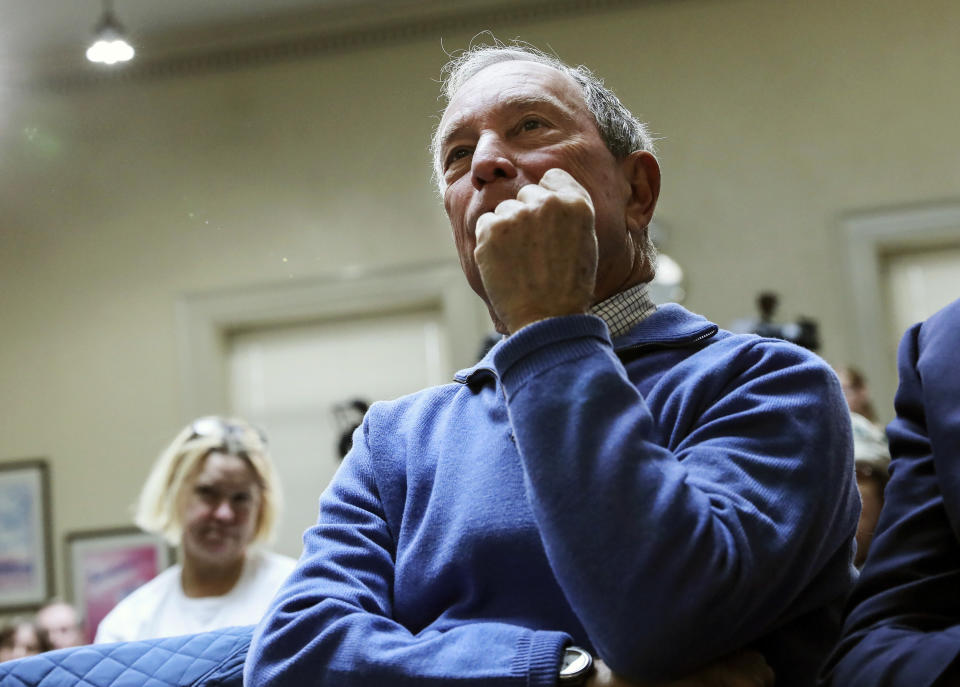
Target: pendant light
{"points": [[110, 45]]}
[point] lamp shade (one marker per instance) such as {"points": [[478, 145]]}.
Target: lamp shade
{"points": [[110, 45]]}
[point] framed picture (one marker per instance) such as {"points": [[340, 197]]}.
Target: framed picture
{"points": [[26, 561], [103, 566]]}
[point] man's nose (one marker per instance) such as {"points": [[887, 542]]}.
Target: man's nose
{"points": [[491, 161]]}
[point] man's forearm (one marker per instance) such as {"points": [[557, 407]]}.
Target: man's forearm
{"points": [[689, 530]]}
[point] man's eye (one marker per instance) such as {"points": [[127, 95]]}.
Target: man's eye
{"points": [[531, 124], [457, 154]]}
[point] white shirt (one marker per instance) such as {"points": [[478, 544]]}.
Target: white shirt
{"points": [[159, 608]]}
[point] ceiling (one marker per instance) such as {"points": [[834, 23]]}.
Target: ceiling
{"points": [[44, 35], [42, 42], [45, 26]]}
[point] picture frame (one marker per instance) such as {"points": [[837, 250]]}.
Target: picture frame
{"points": [[105, 565], [26, 555]]}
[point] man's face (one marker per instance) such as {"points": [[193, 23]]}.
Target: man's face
{"points": [[510, 123], [60, 623], [220, 510]]}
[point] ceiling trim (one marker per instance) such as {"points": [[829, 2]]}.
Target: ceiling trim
{"points": [[412, 25]]}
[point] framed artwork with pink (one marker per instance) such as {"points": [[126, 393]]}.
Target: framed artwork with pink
{"points": [[103, 566]]}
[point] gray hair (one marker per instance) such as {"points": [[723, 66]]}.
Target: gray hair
{"points": [[620, 130]]}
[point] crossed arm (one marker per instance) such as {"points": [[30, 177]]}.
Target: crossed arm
{"points": [[693, 552], [721, 536]]}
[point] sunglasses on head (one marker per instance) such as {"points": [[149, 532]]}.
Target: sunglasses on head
{"points": [[230, 432]]}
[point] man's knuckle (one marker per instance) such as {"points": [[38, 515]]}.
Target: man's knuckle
{"points": [[553, 173], [581, 202], [551, 200], [529, 188], [483, 229]]}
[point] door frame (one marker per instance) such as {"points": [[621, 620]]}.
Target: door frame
{"points": [[205, 320], [870, 236]]}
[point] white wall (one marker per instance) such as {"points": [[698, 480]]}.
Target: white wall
{"points": [[115, 200]]}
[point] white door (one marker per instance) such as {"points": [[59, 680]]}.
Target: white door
{"points": [[918, 282], [288, 380]]}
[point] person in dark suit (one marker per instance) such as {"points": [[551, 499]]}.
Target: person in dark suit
{"points": [[903, 619]]}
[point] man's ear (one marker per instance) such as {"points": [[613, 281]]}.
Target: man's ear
{"points": [[642, 172]]}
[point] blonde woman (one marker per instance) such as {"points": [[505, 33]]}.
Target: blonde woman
{"points": [[213, 493]]}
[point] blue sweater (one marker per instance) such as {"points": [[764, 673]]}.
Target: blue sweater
{"points": [[662, 503]]}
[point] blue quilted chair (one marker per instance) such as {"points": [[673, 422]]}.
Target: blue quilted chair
{"points": [[210, 659]]}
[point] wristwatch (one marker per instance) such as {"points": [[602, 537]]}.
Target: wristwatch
{"points": [[575, 668]]}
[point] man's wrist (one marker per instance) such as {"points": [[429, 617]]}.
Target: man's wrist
{"points": [[525, 319]]}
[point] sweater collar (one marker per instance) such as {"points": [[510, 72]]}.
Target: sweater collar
{"points": [[670, 325]]}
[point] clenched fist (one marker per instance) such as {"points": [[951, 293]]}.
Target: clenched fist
{"points": [[537, 254]]}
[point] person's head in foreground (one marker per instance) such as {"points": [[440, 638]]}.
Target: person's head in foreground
{"points": [[214, 493], [517, 119]]}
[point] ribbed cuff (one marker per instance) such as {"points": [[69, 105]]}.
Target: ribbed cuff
{"points": [[545, 344], [538, 656]]}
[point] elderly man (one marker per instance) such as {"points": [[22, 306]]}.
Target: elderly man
{"points": [[613, 481], [60, 625]]}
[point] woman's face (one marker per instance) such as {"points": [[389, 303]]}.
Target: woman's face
{"points": [[220, 509]]}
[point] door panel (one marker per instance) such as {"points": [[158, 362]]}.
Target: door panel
{"points": [[288, 380]]}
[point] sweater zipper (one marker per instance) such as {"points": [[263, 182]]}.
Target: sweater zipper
{"points": [[679, 343]]}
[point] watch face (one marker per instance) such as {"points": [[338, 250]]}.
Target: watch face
{"points": [[576, 662]]}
